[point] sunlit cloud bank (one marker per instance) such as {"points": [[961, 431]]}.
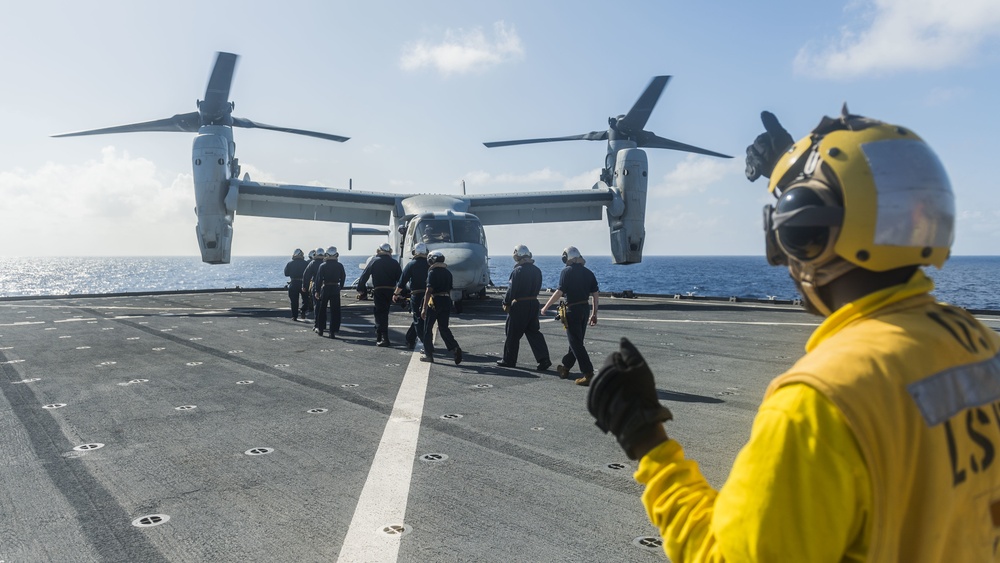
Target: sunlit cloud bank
{"points": [[902, 35], [115, 205]]}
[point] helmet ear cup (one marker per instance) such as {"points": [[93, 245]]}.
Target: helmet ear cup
{"points": [[571, 253], [772, 250]]}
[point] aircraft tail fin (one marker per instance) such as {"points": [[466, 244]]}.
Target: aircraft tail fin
{"points": [[352, 230]]}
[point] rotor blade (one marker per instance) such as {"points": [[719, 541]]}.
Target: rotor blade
{"points": [[217, 93], [592, 136], [241, 122], [637, 117], [183, 122], [654, 142]]}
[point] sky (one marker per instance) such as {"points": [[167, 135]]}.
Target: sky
{"points": [[419, 86]]}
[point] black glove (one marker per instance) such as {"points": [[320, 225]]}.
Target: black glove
{"points": [[623, 398], [767, 148]]}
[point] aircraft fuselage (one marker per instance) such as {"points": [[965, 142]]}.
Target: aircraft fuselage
{"points": [[462, 240]]}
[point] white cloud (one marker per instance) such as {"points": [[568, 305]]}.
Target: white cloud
{"points": [[900, 35], [696, 174], [583, 181], [464, 51], [941, 96], [256, 174], [543, 176], [117, 205], [114, 187]]}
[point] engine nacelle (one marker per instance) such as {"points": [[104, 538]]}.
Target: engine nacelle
{"points": [[628, 230], [211, 167]]}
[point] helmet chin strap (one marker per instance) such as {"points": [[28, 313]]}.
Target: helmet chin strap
{"points": [[811, 277]]}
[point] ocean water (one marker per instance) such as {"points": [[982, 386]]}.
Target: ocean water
{"points": [[972, 282]]}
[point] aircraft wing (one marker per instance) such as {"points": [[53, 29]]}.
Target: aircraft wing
{"points": [[540, 207], [311, 203]]}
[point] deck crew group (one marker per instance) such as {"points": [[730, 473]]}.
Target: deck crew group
{"points": [[316, 284], [881, 443]]}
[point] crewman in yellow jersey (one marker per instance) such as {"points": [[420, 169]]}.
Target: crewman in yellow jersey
{"points": [[882, 443]]}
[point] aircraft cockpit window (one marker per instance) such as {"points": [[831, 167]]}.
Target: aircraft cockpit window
{"points": [[469, 231], [435, 230]]}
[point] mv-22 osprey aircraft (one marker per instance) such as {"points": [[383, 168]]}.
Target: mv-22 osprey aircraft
{"points": [[450, 223]]}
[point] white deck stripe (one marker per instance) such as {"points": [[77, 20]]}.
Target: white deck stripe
{"points": [[383, 498]]}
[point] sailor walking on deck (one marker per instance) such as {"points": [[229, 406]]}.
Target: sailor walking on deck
{"points": [[309, 279], [579, 285], [330, 279], [294, 270], [522, 307], [308, 303], [436, 308], [414, 280], [384, 271], [880, 443]]}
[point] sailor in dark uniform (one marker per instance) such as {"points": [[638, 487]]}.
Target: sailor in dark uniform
{"points": [[306, 299], [578, 284], [309, 279], [436, 308], [330, 278], [294, 270], [414, 279], [521, 304], [384, 271]]}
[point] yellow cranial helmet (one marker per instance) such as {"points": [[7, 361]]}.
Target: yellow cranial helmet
{"points": [[872, 194]]}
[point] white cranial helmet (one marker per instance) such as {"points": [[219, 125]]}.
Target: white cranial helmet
{"points": [[571, 254], [435, 257], [521, 252]]}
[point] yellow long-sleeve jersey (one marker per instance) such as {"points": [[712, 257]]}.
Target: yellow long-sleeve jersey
{"points": [[879, 445]]}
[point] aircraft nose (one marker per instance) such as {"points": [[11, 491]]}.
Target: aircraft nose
{"points": [[466, 265], [456, 256]]}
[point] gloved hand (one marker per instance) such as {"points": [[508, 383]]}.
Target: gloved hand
{"points": [[767, 148], [623, 399]]}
